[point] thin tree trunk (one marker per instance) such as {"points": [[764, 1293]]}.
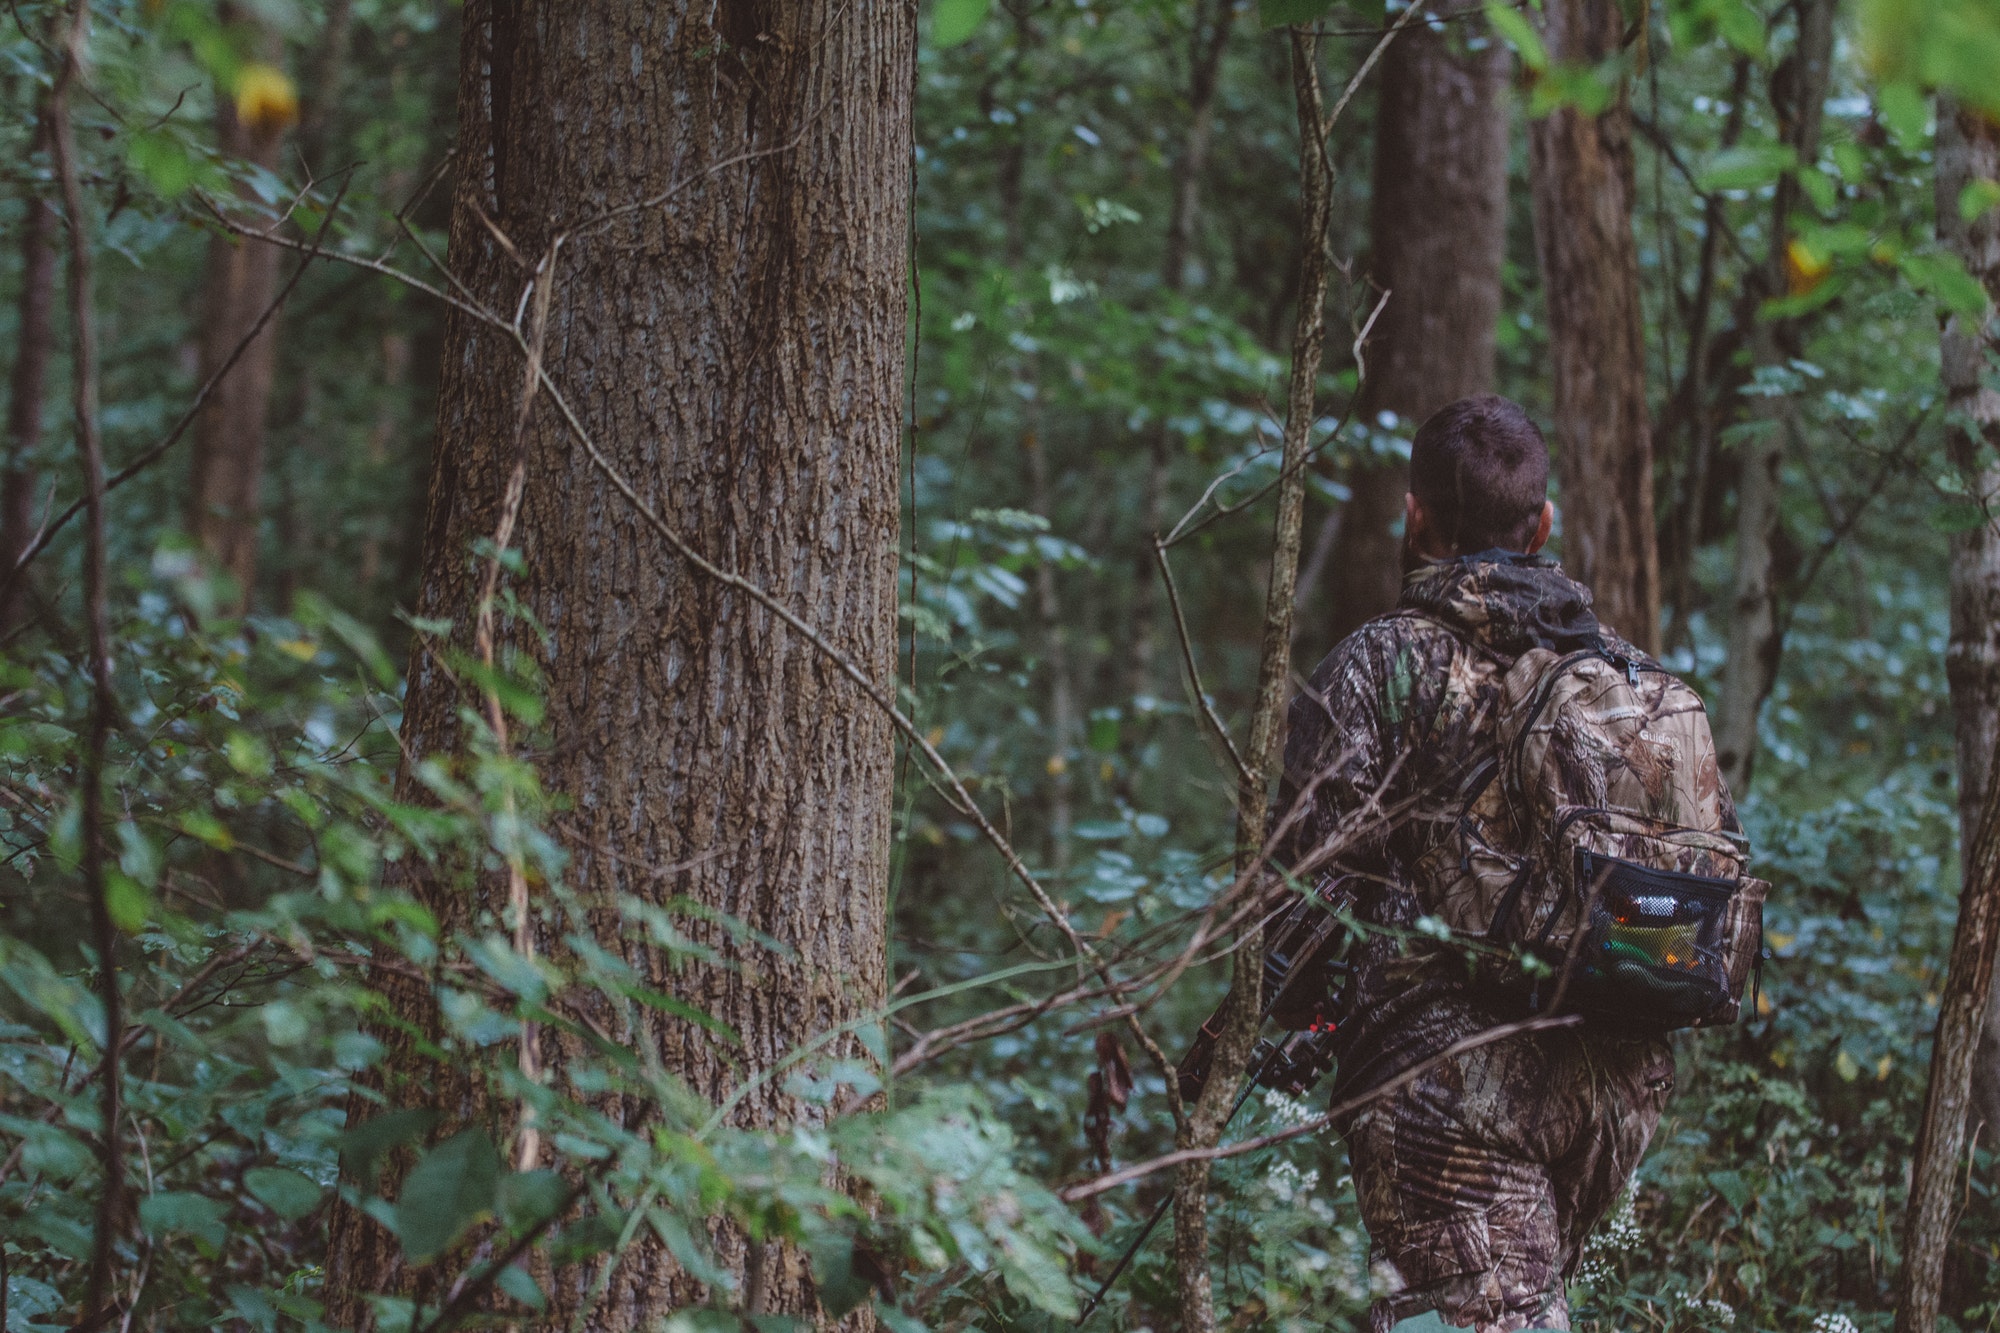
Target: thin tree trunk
{"points": [[1208, 38], [1693, 407], [1755, 639], [99, 1301], [1242, 1013], [1055, 659], [1583, 188], [1438, 229], [329, 79], [1968, 149], [27, 392], [737, 352], [1965, 1060], [226, 459]]}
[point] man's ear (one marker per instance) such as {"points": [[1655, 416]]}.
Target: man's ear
{"points": [[1416, 525], [1542, 528]]}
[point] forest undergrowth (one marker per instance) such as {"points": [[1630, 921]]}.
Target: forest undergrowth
{"points": [[1101, 334]]}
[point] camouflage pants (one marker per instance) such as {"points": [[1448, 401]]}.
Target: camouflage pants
{"points": [[1480, 1180]]}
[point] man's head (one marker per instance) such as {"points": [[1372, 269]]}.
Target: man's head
{"points": [[1479, 478]]}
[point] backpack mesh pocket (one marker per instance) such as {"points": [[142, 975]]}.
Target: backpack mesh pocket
{"points": [[1656, 946]]}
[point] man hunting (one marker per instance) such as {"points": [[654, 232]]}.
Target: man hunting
{"points": [[1491, 763]]}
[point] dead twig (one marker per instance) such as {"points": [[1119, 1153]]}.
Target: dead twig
{"points": [[1139, 1170]]}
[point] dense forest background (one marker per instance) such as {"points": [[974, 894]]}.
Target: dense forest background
{"points": [[348, 978]]}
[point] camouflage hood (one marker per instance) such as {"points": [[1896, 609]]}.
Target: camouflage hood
{"points": [[1505, 602]]}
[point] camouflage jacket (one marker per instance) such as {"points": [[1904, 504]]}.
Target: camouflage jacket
{"points": [[1379, 747]]}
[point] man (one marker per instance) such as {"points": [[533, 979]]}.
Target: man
{"points": [[1479, 1180]]}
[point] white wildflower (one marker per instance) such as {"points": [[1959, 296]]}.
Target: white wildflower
{"points": [[1619, 1234], [1286, 1110], [1287, 1182], [1717, 1311], [1833, 1323]]}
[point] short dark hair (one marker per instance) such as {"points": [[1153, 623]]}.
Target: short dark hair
{"points": [[1480, 469]]}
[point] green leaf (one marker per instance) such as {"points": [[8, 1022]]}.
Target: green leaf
{"points": [[248, 754], [1520, 34], [1956, 516], [450, 1188], [1905, 111], [1278, 13], [285, 1192], [839, 1288], [1976, 198], [496, 958], [1746, 167], [1819, 187], [1590, 89], [515, 1282], [189, 1214], [362, 1147], [952, 21], [138, 855], [314, 610], [284, 1023], [1942, 275], [1733, 1188], [689, 1250], [127, 900], [896, 1321], [528, 1197], [207, 828], [1741, 26], [161, 158]]}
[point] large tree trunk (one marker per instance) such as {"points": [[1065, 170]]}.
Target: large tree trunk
{"points": [[1582, 170], [27, 389], [1968, 149], [1438, 227], [1755, 638], [226, 459], [737, 351]]}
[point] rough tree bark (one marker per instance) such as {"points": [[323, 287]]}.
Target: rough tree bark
{"points": [[1207, 38], [27, 392], [1243, 1011], [737, 351], [1438, 231], [1582, 176], [1755, 640], [1963, 1062], [226, 455]]}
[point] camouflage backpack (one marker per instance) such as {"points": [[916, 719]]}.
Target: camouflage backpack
{"points": [[1591, 839]]}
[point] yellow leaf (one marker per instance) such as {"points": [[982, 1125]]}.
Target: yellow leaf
{"points": [[1057, 765], [266, 99], [1844, 1065], [1805, 268], [1779, 940], [303, 649], [1882, 1069]]}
